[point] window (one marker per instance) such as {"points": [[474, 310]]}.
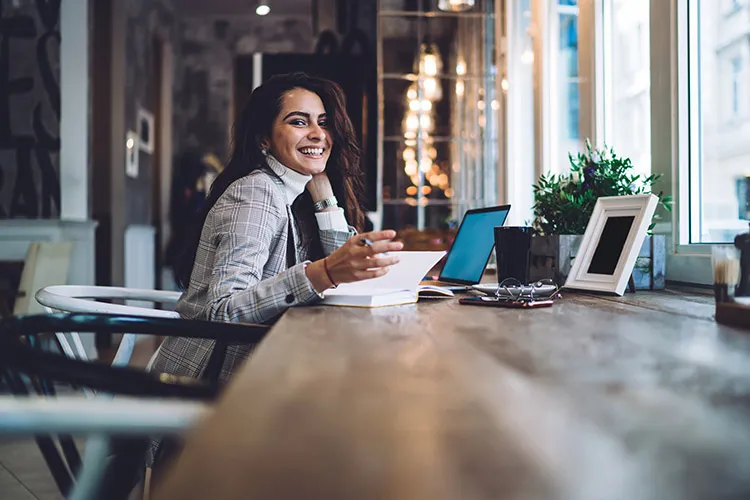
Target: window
{"points": [[729, 7], [628, 74], [719, 155], [438, 130], [518, 86], [567, 82], [736, 83]]}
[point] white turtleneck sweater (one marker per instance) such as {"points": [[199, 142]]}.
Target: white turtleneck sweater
{"points": [[294, 185]]}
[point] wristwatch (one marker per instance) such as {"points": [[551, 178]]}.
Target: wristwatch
{"points": [[323, 204]]}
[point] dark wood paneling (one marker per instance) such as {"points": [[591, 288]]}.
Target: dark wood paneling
{"points": [[101, 136]]}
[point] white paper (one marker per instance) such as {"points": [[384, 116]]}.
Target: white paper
{"points": [[406, 275]]}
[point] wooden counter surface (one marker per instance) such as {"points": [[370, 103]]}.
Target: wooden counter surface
{"points": [[642, 397]]}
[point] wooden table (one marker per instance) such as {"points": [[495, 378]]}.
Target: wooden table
{"points": [[597, 398]]}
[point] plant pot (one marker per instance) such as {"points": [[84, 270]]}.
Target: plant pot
{"points": [[552, 257]]}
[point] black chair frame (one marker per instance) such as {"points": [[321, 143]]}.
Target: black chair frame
{"points": [[19, 356]]}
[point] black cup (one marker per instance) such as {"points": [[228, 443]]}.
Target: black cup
{"points": [[512, 248]]}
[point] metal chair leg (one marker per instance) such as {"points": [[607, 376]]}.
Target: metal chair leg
{"points": [[51, 455]]}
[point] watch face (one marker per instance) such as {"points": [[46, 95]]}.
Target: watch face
{"points": [[323, 204], [328, 202]]}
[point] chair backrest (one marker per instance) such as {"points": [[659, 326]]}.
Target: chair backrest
{"points": [[46, 264], [75, 298], [29, 369], [78, 299]]}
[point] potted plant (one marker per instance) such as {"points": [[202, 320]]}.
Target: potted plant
{"points": [[563, 205]]}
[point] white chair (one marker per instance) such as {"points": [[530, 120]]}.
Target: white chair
{"points": [[46, 263], [83, 299], [99, 420]]}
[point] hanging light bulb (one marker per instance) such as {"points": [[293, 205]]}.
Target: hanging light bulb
{"points": [[455, 5], [411, 122], [432, 89], [429, 62], [425, 165], [410, 167], [461, 67], [425, 121], [460, 88], [411, 92], [415, 120], [428, 66], [409, 154]]}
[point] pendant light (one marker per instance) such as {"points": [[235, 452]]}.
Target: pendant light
{"points": [[428, 66], [455, 5]]}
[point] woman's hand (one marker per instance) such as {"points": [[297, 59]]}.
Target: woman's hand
{"points": [[320, 187], [355, 260]]}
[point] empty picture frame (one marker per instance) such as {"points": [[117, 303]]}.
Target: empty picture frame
{"points": [[146, 130], [611, 243]]}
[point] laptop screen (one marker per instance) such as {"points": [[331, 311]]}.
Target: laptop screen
{"points": [[473, 245]]}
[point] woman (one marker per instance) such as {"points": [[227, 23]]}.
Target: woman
{"points": [[272, 234]]}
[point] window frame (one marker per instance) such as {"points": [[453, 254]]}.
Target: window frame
{"points": [[675, 138], [675, 126], [675, 135]]}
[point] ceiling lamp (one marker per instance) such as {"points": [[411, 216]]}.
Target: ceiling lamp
{"points": [[428, 66], [429, 62], [263, 8], [455, 5]]}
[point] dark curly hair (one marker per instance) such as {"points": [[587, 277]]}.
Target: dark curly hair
{"points": [[344, 167]]}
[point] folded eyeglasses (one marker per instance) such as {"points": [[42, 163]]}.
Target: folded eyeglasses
{"points": [[512, 290]]}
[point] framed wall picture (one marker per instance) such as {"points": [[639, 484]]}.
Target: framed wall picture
{"points": [[146, 130], [611, 243]]}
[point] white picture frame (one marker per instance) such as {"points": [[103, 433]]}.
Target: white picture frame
{"points": [[610, 245], [146, 132]]}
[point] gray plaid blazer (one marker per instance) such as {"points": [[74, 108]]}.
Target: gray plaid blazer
{"points": [[249, 267]]}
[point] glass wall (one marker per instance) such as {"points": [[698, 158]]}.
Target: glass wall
{"points": [[438, 121]]}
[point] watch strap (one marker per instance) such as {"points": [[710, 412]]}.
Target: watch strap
{"points": [[323, 204]]}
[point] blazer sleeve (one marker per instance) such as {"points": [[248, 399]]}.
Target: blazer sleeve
{"points": [[333, 230], [245, 224]]}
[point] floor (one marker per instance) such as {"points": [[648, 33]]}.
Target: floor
{"points": [[23, 473]]}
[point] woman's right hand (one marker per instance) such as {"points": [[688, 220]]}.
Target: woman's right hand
{"points": [[355, 260]]}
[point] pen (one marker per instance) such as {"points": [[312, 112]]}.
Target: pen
{"points": [[368, 243]]}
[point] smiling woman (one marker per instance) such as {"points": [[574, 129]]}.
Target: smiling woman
{"points": [[271, 234]]}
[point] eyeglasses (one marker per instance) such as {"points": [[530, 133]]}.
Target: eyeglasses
{"points": [[512, 290]]}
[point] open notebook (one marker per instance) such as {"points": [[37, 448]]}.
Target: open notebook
{"points": [[399, 286]]}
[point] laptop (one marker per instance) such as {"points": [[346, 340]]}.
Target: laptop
{"points": [[471, 249]]}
